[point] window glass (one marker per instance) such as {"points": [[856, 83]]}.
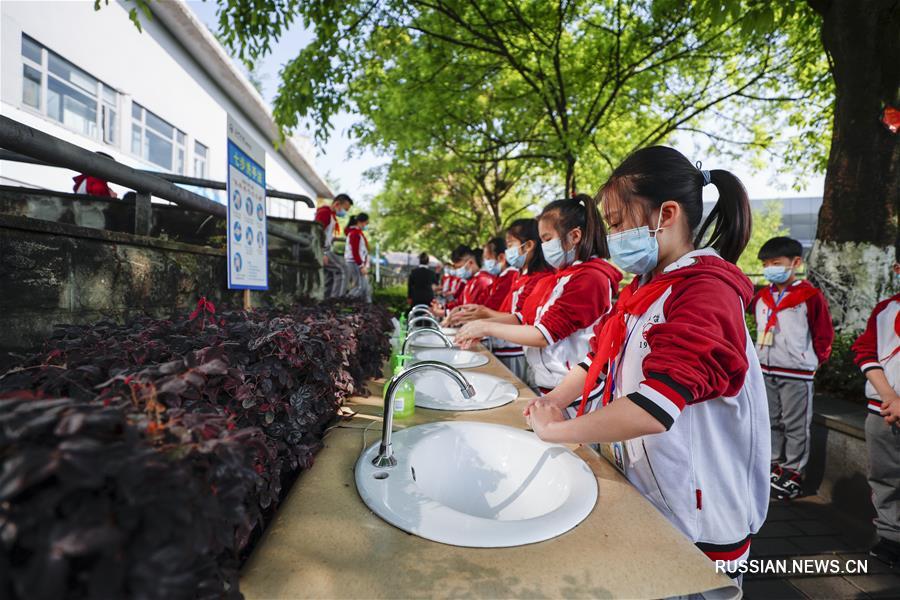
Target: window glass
{"points": [[71, 107], [72, 74], [31, 49], [158, 149], [31, 86], [158, 125]]}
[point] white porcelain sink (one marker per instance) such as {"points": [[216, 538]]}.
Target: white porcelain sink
{"points": [[428, 340], [442, 393], [462, 359], [478, 485]]}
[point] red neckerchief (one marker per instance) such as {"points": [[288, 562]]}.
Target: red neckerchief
{"points": [[609, 342], [792, 298]]}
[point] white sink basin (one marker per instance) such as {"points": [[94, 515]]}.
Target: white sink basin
{"points": [[478, 485], [442, 393], [428, 340], [462, 359]]}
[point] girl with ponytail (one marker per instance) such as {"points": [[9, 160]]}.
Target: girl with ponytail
{"points": [[522, 254], [555, 322], [683, 390]]}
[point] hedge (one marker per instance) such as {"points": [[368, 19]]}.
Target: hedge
{"points": [[140, 460]]}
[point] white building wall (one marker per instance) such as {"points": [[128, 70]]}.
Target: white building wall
{"points": [[151, 68]]}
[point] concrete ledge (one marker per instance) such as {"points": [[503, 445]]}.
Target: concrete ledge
{"points": [[839, 460]]}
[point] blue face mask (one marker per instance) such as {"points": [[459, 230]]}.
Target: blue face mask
{"points": [[341, 213], [491, 266], [513, 258], [463, 273], [635, 250], [555, 256], [777, 273]]}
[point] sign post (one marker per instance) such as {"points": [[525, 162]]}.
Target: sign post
{"points": [[248, 256]]}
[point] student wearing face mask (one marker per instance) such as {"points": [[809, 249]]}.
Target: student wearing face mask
{"points": [[683, 387], [793, 338], [478, 282], [335, 269], [505, 273], [523, 253], [556, 320]]}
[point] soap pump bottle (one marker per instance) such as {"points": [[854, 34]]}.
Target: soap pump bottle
{"points": [[405, 397]]}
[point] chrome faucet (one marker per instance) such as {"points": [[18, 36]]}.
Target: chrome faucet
{"points": [[425, 319], [418, 332], [385, 456], [419, 309]]}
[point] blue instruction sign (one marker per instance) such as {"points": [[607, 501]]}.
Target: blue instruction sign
{"points": [[248, 256]]}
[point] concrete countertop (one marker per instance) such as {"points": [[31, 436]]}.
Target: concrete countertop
{"points": [[324, 542]]}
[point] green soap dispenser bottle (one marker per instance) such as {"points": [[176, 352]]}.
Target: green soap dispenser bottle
{"points": [[405, 397]]}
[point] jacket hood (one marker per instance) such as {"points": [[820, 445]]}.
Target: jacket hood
{"points": [[707, 263]]}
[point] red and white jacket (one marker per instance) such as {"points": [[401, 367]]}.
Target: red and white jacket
{"points": [[689, 361], [327, 217], [524, 284], [503, 284], [802, 334], [356, 250], [565, 308], [476, 290], [878, 347], [451, 285]]}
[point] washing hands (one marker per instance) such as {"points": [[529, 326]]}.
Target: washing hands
{"points": [[471, 333]]}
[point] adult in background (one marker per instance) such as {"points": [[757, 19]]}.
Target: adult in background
{"points": [[356, 254], [335, 266], [420, 284]]}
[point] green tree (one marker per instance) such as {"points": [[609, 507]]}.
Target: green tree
{"points": [[581, 83], [845, 91], [766, 225]]}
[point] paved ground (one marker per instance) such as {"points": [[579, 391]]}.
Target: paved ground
{"points": [[810, 529]]}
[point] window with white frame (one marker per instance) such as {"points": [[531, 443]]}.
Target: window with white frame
{"points": [[201, 153], [58, 89], [157, 141]]}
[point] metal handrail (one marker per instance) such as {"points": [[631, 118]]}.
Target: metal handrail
{"points": [[22, 139], [170, 177]]}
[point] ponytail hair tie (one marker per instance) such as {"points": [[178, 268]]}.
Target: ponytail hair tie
{"points": [[706, 176]]}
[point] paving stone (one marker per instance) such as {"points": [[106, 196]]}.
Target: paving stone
{"points": [[874, 566], [772, 547], [827, 587], [821, 544], [780, 512], [767, 589], [882, 586], [778, 529], [815, 527]]}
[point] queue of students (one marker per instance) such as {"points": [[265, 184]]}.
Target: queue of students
{"points": [[345, 275], [705, 419]]}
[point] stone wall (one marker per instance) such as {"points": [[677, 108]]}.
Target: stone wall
{"points": [[68, 258]]}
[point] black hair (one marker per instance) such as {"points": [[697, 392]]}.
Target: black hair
{"points": [[362, 217], [579, 211], [478, 254], [460, 252], [526, 230], [780, 246], [343, 198], [424, 258], [497, 245], [656, 174]]}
